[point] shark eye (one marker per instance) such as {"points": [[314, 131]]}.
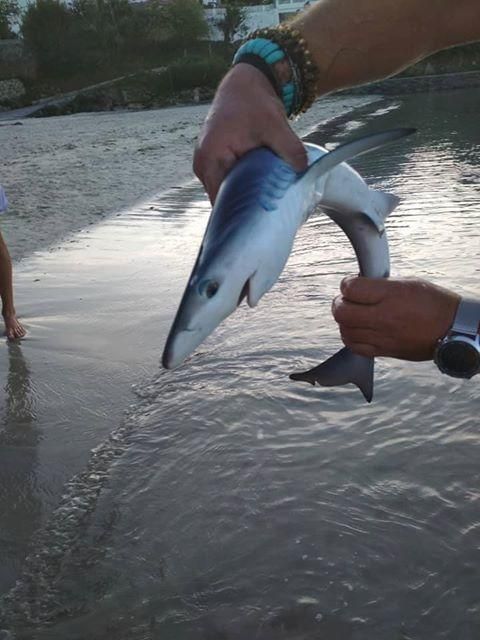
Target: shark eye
{"points": [[208, 288]]}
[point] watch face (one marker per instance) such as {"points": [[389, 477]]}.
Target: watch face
{"points": [[458, 358]]}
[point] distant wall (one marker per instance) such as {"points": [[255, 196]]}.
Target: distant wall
{"points": [[14, 61], [417, 84]]}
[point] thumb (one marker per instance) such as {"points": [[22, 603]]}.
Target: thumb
{"points": [[364, 290], [287, 145]]}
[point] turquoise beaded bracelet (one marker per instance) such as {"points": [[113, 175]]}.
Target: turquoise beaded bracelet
{"points": [[286, 43], [270, 53]]}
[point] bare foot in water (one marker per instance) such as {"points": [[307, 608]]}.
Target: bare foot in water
{"points": [[13, 329]]}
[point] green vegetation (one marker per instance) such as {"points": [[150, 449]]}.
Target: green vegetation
{"points": [[8, 11], [157, 53], [233, 22], [185, 22], [91, 41]]}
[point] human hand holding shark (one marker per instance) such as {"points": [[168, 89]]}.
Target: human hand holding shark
{"points": [[399, 318], [235, 125]]}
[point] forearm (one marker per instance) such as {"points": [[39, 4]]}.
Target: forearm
{"points": [[358, 41], [6, 288]]}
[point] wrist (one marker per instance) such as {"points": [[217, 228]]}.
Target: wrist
{"points": [[458, 352], [447, 314], [246, 78], [281, 54]]}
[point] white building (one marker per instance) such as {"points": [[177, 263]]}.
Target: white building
{"points": [[256, 16]]}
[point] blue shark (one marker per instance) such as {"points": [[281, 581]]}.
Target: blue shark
{"points": [[260, 206]]}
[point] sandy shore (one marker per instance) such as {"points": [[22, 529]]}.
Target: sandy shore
{"points": [[94, 330], [97, 304], [65, 173]]}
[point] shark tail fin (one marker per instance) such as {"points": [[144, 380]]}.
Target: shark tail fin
{"points": [[342, 368]]}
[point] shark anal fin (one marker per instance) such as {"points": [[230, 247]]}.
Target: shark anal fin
{"points": [[342, 368]]}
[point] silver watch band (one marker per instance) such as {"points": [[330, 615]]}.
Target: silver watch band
{"points": [[467, 318]]}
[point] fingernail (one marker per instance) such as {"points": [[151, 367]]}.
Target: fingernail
{"points": [[345, 282]]}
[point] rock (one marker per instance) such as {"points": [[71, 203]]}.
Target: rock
{"points": [[11, 90]]}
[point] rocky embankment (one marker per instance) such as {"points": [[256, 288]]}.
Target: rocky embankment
{"points": [[180, 84], [16, 67], [420, 84], [145, 90]]}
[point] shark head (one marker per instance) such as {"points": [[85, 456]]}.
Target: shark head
{"points": [[217, 286]]}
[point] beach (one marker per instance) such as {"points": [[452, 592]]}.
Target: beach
{"points": [[220, 499], [89, 195], [65, 173]]}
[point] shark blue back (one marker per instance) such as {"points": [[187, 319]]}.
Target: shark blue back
{"points": [[225, 270], [253, 186]]}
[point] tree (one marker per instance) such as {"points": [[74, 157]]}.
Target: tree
{"points": [[47, 31], [8, 11], [152, 17], [107, 23], [186, 21], [233, 21]]}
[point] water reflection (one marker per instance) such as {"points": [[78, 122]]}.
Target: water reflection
{"points": [[243, 506], [20, 507]]}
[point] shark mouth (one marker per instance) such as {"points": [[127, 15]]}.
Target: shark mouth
{"points": [[245, 292]]}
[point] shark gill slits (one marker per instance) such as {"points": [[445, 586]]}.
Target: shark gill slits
{"points": [[208, 288], [267, 202]]}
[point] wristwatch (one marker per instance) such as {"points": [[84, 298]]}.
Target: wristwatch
{"points": [[458, 353]]}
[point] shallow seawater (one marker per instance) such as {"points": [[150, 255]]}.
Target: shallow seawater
{"points": [[233, 503]]}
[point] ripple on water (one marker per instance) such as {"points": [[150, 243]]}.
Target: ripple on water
{"points": [[236, 504]]}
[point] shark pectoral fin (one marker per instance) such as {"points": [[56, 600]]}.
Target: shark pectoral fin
{"points": [[342, 368]]}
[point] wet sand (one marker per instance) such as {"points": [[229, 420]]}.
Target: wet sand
{"points": [[97, 304], [242, 506], [65, 173], [96, 311]]}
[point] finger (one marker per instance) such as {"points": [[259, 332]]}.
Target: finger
{"points": [[287, 145], [215, 173], [19, 332], [365, 290], [360, 336], [376, 344], [352, 315], [367, 350]]}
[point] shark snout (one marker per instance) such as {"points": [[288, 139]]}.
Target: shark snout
{"points": [[180, 345]]}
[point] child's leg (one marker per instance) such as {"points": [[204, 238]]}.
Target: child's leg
{"points": [[13, 328]]}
